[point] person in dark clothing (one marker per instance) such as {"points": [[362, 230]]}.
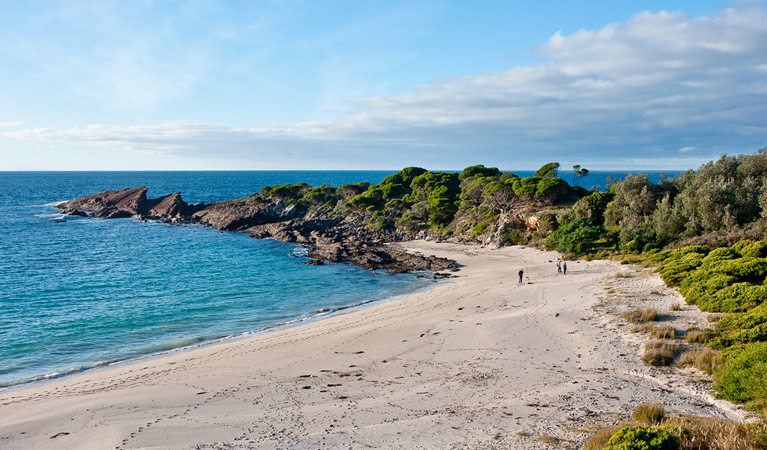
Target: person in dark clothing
{"points": [[521, 272], [559, 266], [564, 268]]}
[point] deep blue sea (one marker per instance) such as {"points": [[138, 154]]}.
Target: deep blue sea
{"points": [[85, 292]]}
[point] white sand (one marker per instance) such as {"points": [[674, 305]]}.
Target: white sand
{"points": [[479, 362]]}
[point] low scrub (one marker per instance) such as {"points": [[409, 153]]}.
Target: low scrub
{"points": [[657, 331], [660, 353], [692, 433], [646, 438], [664, 332], [641, 315], [703, 358], [649, 413], [718, 434], [696, 336], [743, 376]]}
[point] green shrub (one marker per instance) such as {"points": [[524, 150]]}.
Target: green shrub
{"points": [[676, 268], [525, 186], [480, 228], [645, 438], [742, 328], [404, 177], [743, 376], [320, 195], [739, 297], [347, 191], [478, 171], [288, 192], [548, 170], [514, 237], [577, 236], [551, 187], [744, 269], [547, 223], [754, 249]]}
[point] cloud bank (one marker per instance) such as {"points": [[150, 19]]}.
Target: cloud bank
{"points": [[659, 88]]}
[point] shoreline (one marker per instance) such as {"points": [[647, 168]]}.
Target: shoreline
{"points": [[316, 315], [480, 362]]}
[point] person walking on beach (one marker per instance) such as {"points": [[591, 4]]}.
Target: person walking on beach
{"points": [[564, 268], [521, 272], [559, 266]]}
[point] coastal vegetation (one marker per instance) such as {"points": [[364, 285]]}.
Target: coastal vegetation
{"points": [[651, 428], [703, 230]]}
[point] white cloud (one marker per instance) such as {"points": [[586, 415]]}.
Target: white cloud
{"points": [[11, 124], [647, 86]]}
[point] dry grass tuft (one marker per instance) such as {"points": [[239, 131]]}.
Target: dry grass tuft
{"points": [[664, 332], [546, 439], [676, 307], [624, 275], [643, 328], [660, 353], [649, 413], [714, 317], [718, 434], [599, 440], [696, 337], [641, 315], [657, 331], [704, 359]]}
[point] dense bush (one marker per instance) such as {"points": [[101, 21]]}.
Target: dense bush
{"points": [[577, 236], [286, 192], [347, 191], [742, 328], [552, 187], [592, 207], [322, 195], [645, 438], [743, 377], [548, 170], [479, 171]]}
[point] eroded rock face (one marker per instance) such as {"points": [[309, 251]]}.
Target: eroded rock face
{"points": [[130, 203], [329, 238]]}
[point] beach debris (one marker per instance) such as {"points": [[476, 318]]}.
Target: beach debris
{"points": [[63, 433]]}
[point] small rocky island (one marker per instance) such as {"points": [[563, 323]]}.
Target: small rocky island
{"points": [[329, 237]]}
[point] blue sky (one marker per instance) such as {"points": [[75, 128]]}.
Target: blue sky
{"points": [[152, 85]]}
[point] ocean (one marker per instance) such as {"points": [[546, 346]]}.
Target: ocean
{"points": [[83, 293]]}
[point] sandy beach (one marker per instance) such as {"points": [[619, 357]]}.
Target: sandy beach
{"points": [[477, 362]]}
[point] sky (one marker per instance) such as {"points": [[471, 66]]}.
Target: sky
{"points": [[335, 85]]}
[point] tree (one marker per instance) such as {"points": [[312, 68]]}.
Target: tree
{"points": [[579, 172], [548, 170]]}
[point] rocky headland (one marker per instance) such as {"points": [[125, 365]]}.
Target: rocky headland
{"points": [[329, 237]]}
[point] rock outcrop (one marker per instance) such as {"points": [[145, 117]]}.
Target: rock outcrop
{"points": [[328, 237]]}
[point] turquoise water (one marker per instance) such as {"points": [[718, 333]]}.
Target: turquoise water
{"points": [[80, 293]]}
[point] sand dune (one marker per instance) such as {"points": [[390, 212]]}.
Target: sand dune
{"points": [[479, 362]]}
